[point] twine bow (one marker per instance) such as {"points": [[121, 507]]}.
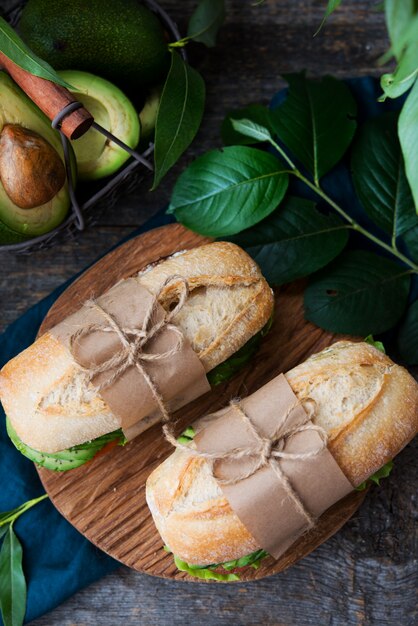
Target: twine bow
{"points": [[133, 341], [267, 451]]}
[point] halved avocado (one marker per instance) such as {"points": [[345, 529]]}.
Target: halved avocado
{"points": [[96, 156], [21, 118]]}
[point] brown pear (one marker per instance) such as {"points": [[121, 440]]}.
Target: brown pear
{"points": [[31, 170]]}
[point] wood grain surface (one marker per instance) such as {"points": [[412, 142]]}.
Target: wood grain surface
{"points": [[105, 499], [366, 574]]}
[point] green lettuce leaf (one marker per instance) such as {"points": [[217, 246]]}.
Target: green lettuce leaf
{"points": [[377, 476], [224, 371], [203, 572], [377, 344], [207, 571]]}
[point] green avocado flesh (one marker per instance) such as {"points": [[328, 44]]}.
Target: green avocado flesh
{"points": [[96, 156], [121, 40], [67, 459], [17, 109]]}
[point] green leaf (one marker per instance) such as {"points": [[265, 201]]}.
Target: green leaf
{"points": [[224, 371], [251, 129], [224, 192], [331, 6], [402, 79], [316, 122], [399, 14], [379, 176], [411, 240], [179, 115], [408, 335], [376, 344], [255, 112], [203, 573], [383, 472], [359, 293], [12, 581], [408, 136], [17, 51], [206, 21], [294, 241]]}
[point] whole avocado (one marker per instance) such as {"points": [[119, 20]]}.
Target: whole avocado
{"points": [[121, 40]]}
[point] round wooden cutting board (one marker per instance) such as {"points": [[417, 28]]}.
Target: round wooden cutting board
{"points": [[105, 499]]}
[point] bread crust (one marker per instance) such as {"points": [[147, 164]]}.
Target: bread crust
{"points": [[369, 409], [47, 396]]}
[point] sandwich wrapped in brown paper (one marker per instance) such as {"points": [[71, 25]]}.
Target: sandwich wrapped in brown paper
{"points": [[272, 464], [113, 338]]}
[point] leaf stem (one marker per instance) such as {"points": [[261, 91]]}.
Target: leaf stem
{"points": [[15, 513]]}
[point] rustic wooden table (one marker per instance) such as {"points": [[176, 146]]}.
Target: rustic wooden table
{"points": [[367, 573]]}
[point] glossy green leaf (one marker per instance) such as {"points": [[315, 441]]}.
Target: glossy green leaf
{"points": [[226, 191], [296, 240], [12, 581], [408, 335], [206, 21], [410, 237], [252, 130], [17, 51], [408, 135], [179, 115], [379, 176], [316, 122], [254, 112], [383, 472], [360, 293]]}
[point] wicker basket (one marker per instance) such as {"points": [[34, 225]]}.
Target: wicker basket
{"points": [[95, 197]]}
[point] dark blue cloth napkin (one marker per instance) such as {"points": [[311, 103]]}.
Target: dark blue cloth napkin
{"points": [[57, 559]]}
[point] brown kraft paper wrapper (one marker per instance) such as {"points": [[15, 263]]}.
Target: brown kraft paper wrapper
{"points": [[179, 379], [261, 502]]}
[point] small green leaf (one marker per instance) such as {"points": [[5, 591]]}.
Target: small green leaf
{"points": [[12, 581], [408, 135], [202, 572], [179, 115], [316, 122], [404, 76], [17, 51], [383, 472], [408, 335], [206, 21], [251, 129], [331, 6], [359, 293], [226, 191], [257, 113], [379, 176], [376, 344], [294, 241]]}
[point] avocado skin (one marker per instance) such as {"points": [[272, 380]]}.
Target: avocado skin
{"points": [[120, 40]]}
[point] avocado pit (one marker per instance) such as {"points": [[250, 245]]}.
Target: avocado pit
{"points": [[31, 170]]}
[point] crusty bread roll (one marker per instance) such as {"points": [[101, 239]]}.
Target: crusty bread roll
{"points": [[367, 405], [46, 395]]}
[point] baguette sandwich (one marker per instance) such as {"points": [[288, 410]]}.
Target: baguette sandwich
{"points": [[368, 407], [54, 414]]}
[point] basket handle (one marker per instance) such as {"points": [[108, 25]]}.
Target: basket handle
{"points": [[50, 98]]}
